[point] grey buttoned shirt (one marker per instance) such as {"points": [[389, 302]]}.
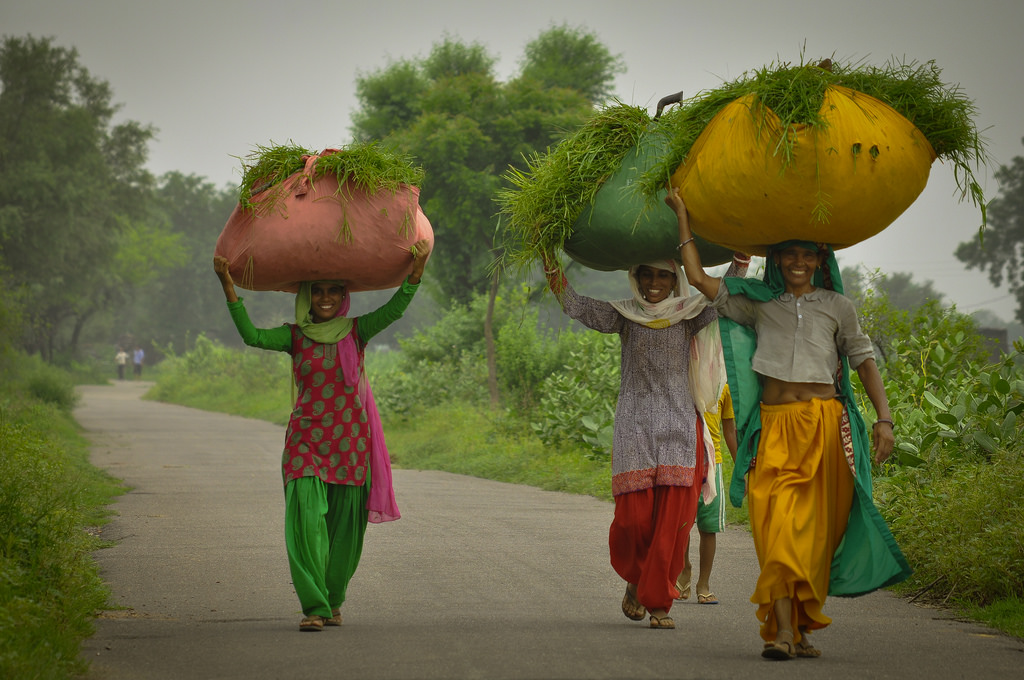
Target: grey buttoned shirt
{"points": [[800, 339]]}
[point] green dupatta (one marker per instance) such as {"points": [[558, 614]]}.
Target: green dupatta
{"points": [[868, 557]]}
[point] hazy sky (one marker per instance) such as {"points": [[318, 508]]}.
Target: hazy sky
{"points": [[218, 77]]}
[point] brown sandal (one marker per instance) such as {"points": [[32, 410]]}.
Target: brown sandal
{"points": [[312, 623], [781, 649], [631, 606], [335, 619], [805, 650]]}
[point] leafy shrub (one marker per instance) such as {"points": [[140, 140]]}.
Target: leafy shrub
{"points": [[952, 493], [49, 586], [47, 383], [217, 378], [447, 362], [578, 402]]}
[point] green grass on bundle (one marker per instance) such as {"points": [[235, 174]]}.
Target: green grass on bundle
{"points": [[548, 196], [368, 166], [942, 113]]}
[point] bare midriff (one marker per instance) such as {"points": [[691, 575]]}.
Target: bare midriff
{"points": [[781, 392]]}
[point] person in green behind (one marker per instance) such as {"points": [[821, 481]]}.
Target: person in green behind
{"points": [[336, 468], [711, 516]]}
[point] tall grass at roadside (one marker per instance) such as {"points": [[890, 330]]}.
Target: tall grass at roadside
{"points": [[51, 501], [469, 440], [252, 383], [965, 505]]}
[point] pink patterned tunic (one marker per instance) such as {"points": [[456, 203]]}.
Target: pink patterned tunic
{"points": [[328, 434]]}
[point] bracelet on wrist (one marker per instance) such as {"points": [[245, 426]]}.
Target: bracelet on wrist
{"points": [[684, 242], [885, 420]]}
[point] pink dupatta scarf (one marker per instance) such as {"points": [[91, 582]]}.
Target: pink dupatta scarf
{"points": [[381, 504]]}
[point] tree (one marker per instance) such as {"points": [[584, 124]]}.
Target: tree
{"points": [[465, 128], [184, 299], [899, 288], [1001, 247], [73, 192], [564, 57]]}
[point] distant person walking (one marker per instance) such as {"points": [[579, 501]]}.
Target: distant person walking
{"points": [[121, 358], [137, 358]]}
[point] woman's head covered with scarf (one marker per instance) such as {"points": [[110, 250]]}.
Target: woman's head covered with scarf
{"points": [[826, 276], [334, 332]]}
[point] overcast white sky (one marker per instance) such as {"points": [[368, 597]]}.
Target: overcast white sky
{"points": [[218, 77]]}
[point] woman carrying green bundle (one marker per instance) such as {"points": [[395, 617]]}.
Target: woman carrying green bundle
{"points": [[336, 469], [803, 442], [661, 452]]}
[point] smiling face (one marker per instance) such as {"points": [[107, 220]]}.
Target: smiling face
{"points": [[325, 300], [655, 284], [797, 265]]}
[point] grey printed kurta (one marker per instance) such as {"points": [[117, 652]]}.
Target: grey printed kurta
{"points": [[655, 438]]}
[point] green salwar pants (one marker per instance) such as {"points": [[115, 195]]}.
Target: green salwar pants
{"points": [[324, 527]]}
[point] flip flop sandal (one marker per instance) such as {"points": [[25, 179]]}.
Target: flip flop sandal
{"points": [[684, 590], [805, 650], [662, 622], [632, 608], [707, 598], [335, 619], [780, 651]]}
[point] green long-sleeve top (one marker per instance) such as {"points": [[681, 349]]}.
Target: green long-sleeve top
{"points": [[331, 429], [367, 326]]}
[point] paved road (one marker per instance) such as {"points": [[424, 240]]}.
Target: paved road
{"points": [[479, 579]]}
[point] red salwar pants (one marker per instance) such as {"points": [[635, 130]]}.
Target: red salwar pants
{"points": [[649, 537]]}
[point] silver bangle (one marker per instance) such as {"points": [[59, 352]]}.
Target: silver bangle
{"points": [[684, 242]]}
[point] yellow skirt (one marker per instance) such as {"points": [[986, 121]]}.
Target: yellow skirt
{"points": [[799, 496]]}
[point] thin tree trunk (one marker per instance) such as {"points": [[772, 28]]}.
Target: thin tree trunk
{"points": [[492, 357]]}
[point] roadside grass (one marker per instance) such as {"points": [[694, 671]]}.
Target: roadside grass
{"points": [[52, 502], [1004, 615], [213, 378], [467, 440]]}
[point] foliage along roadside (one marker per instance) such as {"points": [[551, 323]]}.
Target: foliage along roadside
{"points": [[52, 505]]}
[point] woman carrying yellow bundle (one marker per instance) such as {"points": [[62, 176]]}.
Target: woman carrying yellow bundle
{"points": [[806, 449]]}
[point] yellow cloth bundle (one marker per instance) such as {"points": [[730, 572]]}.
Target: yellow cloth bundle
{"points": [[847, 179]]}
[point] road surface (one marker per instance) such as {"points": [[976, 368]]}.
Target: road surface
{"points": [[479, 579]]}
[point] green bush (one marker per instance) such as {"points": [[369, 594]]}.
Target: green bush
{"points": [[578, 401], [447, 362], [250, 382], [44, 382], [952, 491], [50, 587]]}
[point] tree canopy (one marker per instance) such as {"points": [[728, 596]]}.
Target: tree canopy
{"points": [[466, 128], [1001, 247], [73, 193]]}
